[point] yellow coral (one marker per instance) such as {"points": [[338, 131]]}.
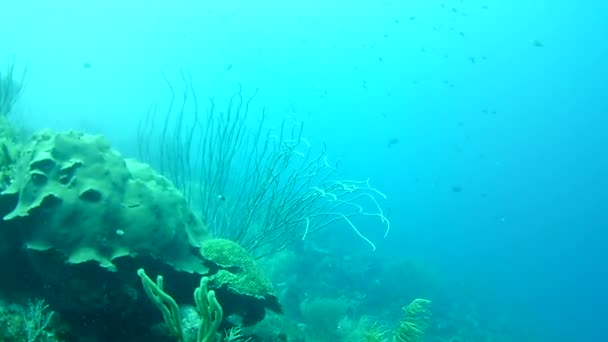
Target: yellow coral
{"points": [[375, 333], [416, 322]]}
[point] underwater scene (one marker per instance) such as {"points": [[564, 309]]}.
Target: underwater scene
{"points": [[303, 171]]}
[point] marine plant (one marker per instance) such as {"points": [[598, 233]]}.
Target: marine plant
{"points": [[207, 306], [416, 322], [236, 334], [10, 88], [27, 323], [261, 187], [376, 332]]}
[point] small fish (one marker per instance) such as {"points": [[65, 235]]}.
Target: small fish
{"points": [[86, 65], [537, 43], [456, 188], [229, 67], [392, 142]]}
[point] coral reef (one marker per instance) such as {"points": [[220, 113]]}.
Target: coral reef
{"points": [[243, 289], [209, 310], [324, 315], [10, 89], [33, 322], [10, 145], [417, 321], [80, 198], [79, 220]]}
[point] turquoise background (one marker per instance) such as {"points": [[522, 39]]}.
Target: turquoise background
{"points": [[503, 100]]}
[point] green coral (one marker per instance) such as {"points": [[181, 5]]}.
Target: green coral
{"points": [[374, 333], [10, 89], [416, 322], [241, 286], [10, 134], [209, 309], [8, 153], [79, 197], [237, 268], [32, 323]]}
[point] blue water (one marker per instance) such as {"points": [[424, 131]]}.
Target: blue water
{"points": [[498, 178]]}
